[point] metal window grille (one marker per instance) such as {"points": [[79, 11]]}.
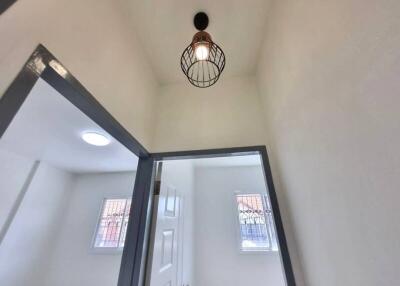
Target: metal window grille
{"points": [[111, 228], [257, 230]]}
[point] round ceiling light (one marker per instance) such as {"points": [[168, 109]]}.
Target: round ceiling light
{"points": [[203, 60], [95, 138]]}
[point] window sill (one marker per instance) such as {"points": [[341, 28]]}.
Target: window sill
{"points": [[259, 251], [106, 250]]}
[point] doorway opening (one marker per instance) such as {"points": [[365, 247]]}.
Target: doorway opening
{"points": [[215, 220], [68, 172]]}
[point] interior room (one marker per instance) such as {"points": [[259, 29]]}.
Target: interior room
{"points": [[310, 86], [224, 227], [56, 191]]}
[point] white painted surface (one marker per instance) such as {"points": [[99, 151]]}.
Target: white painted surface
{"points": [[94, 40], [26, 249], [53, 127], [73, 263], [165, 29], [218, 260], [329, 78], [177, 173], [14, 170], [225, 115]]}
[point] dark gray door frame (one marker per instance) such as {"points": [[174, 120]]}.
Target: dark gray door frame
{"points": [[5, 4], [134, 254], [42, 64]]}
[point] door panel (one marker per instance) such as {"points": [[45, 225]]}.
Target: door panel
{"points": [[164, 269], [167, 249], [170, 201]]}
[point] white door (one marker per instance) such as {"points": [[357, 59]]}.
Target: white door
{"points": [[166, 252]]}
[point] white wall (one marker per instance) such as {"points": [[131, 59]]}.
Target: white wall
{"points": [[73, 262], [227, 114], [186, 176], [26, 247], [95, 41], [49, 239], [218, 260], [329, 83], [14, 172]]}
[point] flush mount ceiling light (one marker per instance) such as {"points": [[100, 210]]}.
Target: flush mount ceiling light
{"points": [[94, 138], [203, 60]]}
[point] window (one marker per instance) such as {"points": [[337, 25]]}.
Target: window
{"points": [[113, 221], [257, 232]]}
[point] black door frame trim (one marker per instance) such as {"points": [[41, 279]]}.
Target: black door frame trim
{"points": [[5, 4], [42, 64], [242, 151], [134, 254]]}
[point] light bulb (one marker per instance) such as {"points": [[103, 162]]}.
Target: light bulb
{"points": [[201, 52]]}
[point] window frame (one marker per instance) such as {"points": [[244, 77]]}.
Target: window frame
{"points": [[107, 250], [273, 235]]}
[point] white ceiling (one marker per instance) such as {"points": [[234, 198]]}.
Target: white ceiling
{"points": [[48, 128], [165, 28]]}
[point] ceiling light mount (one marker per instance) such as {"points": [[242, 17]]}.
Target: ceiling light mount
{"points": [[200, 21], [203, 60]]}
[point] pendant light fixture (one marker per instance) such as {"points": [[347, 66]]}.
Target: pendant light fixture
{"points": [[203, 60]]}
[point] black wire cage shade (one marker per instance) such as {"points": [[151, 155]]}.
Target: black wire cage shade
{"points": [[203, 60]]}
